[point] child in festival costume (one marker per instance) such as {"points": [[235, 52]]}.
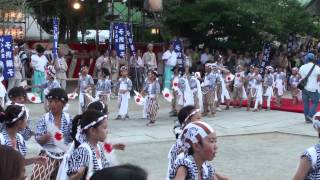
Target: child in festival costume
{"points": [[85, 84], [185, 95], [124, 86], [293, 82], [308, 168], [53, 134], [174, 84], [151, 90], [17, 96], [249, 82], [209, 87], [88, 130], [218, 93], [257, 90], [199, 144], [279, 78], [226, 80], [186, 115], [195, 87], [15, 119], [238, 87], [103, 87], [50, 83], [268, 85]]}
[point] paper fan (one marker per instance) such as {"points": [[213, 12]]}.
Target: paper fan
{"points": [[167, 95], [72, 96], [229, 77], [198, 75], [175, 85], [138, 99], [57, 136], [24, 83], [34, 98]]}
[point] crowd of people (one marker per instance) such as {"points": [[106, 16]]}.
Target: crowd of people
{"points": [[197, 85]]}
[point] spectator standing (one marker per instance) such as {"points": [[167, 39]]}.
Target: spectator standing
{"points": [[16, 80], [61, 68], [311, 90], [24, 59], [103, 62], [39, 63], [149, 58], [170, 60], [136, 70], [204, 56], [114, 63]]}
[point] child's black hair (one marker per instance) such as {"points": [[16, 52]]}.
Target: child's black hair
{"points": [[82, 120], [121, 172], [57, 94], [184, 113], [98, 106], [17, 92], [105, 72], [12, 112]]}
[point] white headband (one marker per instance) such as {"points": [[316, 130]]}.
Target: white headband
{"points": [[94, 122], [191, 114], [193, 133], [80, 136], [23, 110]]}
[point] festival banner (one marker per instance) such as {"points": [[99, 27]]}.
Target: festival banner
{"points": [[266, 57], [110, 36], [6, 56], [178, 48], [292, 44], [55, 37], [130, 39], [119, 32]]}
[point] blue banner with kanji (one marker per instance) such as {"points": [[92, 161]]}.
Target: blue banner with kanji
{"points": [[6, 56], [266, 57], [130, 39], [178, 48], [119, 32], [55, 37]]}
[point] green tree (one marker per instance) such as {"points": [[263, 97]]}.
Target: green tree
{"points": [[70, 19], [242, 24]]}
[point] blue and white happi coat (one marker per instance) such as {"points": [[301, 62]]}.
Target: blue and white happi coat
{"points": [[21, 145]]}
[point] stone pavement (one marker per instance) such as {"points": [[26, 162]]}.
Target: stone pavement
{"points": [[252, 145]]}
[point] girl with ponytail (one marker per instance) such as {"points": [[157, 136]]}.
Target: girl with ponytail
{"points": [[88, 131], [15, 119]]}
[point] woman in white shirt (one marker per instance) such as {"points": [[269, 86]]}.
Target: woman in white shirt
{"points": [[38, 63], [16, 80]]}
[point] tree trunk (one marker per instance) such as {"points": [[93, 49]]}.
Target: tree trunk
{"points": [[73, 32]]}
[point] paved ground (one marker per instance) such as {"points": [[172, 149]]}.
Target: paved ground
{"points": [[252, 145]]}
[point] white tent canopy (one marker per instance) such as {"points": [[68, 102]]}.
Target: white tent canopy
{"points": [[33, 30]]}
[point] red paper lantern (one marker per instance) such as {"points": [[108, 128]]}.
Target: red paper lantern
{"points": [[107, 147], [58, 136]]}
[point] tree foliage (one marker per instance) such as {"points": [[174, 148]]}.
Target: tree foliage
{"points": [[70, 19], [244, 23]]}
